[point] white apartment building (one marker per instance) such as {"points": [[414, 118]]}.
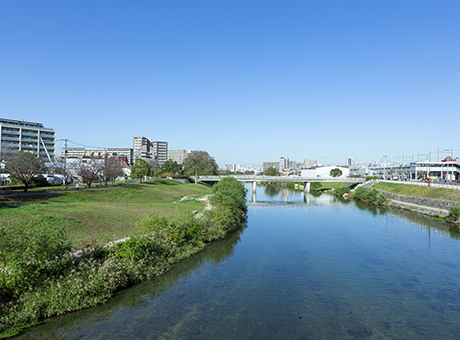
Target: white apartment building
{"points": [[31, 137], [160, 151]]}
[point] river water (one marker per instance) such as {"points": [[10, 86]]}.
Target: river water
{"points": [[304, 267]]}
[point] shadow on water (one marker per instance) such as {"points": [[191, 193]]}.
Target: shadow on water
{"points": [[62, 327]]}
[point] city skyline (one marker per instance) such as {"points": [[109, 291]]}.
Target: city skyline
{"points": [[246, 82]]}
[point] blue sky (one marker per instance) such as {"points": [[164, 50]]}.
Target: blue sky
{"points": [[247, 81]]}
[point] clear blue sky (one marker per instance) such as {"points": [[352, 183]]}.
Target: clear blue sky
{"points": [[247, 81]]}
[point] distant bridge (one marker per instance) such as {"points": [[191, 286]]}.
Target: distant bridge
{"points": [[350, 181]]}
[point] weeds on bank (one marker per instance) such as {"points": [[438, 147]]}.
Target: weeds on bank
{"points": [[370, 196], [40, 278]]}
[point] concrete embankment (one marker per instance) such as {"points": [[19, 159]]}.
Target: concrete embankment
{"points": [[428, 206]]}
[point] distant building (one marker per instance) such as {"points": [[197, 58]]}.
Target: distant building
{"points": [[309, 163], [160, 151], [231, 167], [324, 172], [350, 162], [99, 153], [178, 155], [267, 165], [284, 163], [30, 137], [142, 148]]}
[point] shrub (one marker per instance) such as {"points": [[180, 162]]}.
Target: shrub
{"points": [[32, 252], [372, 196], [341, 191], [368, 178], [454, 214]]}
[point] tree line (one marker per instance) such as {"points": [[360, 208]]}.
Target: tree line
{"points": [[26, 168]]}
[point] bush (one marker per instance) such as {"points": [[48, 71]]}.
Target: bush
{"points": [[39, 181], [368, 178], [341, 191], [371, 196], [454, 214], [32, 252]]}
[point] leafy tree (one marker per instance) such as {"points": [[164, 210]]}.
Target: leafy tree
{"points": [[335, 172], [154, 166], [272, 172], [172, 167], [200, 163], [24, 166], [140, 169]]}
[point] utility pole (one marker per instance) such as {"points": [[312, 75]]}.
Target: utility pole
{"points": [[65, 163]]}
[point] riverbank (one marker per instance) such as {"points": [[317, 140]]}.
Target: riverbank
{"points": [[435, 202], [39, 277]]}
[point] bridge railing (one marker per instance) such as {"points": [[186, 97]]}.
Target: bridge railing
{"points": [[284, 178]]}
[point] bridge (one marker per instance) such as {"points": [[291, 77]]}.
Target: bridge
{"points": [[350, 181]]}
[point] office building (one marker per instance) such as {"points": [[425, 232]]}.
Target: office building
{"points": [[31, 137]]}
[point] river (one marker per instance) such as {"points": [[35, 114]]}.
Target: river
{"points": [[304, 267]]}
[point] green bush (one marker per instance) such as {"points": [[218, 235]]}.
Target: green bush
{"points": [[341, 191], [454, 214], [371, 196], [368, 178], [31, 252]]}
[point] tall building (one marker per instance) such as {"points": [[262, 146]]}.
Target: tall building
{"points": [[160, 151], [142, 148], [31, 137], [284, 163], [350, 161]]}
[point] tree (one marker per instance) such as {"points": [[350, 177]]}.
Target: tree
{"points": [[61, 168], [172, 166], [140, 169], [112, 169], [200, 163], [272, 172], [91, 170], [154, 166], [24, 166], [335, 172]]}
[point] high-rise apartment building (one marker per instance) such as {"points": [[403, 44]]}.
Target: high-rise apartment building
{"points": [[160, 151], [284, 163], [142, 148], [31, 137]]}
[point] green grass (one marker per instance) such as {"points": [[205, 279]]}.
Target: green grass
{"points": [[330, 185], [106, 214], [419, 191]]}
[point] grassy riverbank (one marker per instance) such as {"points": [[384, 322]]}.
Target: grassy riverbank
{"points": [[105, 214], [39, 277], [419, 191]]}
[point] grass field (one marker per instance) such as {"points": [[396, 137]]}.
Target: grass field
{"points": [[419, 191], [106, 214]]}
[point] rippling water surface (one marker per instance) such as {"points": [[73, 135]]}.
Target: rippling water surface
{"points": [[305, 267]]}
